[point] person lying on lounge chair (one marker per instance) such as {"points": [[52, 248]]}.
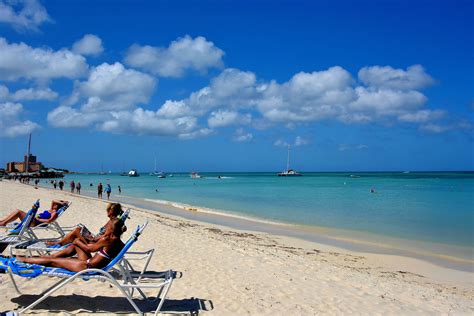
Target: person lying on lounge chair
{"points": [[46, 216], [105, 248], [113, 211]]}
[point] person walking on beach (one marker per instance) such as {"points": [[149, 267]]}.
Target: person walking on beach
{"points": [[72, 185], [120, 189], [108, 190], [61, 184], [78, 188], [55, 184], [99, 190]]}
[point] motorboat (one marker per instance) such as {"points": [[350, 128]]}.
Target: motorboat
{"points": [[195, 175], [133, 173]]}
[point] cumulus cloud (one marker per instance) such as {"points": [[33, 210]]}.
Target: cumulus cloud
{"points": [[242, 136], [223, 118], [307, 97], [385, 102], [332, 94], [88, 45], [108, 88], [113, 87], [22, 61], [414, 77], [111, 94], [182, 55], [29, 94], [11, 124], [23, 14], [109, 101]]}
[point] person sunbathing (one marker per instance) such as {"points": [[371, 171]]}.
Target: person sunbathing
{"points": [[113, 211], [46, 216], [106, 248]]}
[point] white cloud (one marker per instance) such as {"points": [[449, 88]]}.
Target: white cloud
{"points": [[112, 93], [141, 121], [182, 55], [300, 141], [174, 109], [307, 97], [23, 14], [68, 117], [422, 116], [414, 77], [281, 143], [437, 128], [113, 87], [242, 136], [223, 118], [88, 45], [29, 94], [434, 128], [22, 61], [386, 102], [346, 147], [11, 124]]}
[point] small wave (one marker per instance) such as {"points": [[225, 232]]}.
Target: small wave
{"points": [[200, 209]]}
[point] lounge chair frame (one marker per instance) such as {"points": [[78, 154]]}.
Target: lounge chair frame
{"points": [[129, 279]]}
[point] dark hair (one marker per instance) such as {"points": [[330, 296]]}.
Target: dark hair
{"points": [[116, 208]]}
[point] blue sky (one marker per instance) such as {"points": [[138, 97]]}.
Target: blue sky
{"points": [[227, 85]]}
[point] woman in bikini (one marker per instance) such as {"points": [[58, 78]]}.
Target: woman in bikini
{"points": [[113, 211], [106, 248], [47, 216]]}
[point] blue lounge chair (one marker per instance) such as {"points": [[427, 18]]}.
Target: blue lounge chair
{"points": [[126, 282], [22, 230], [54, 224]]}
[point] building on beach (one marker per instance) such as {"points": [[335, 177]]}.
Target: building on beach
{"points": [[29, 162]]}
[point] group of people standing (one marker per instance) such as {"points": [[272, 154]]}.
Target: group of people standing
{"points": [[76, 188], [108, 190], [57, 184]]}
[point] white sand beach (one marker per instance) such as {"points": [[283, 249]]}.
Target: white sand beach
{"points": [[223, 271]]}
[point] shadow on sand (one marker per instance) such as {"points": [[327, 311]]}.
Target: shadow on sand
{"points": [[110, 304]]}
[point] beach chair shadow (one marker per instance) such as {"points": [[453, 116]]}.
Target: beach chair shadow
{"points": [[117, 305]]}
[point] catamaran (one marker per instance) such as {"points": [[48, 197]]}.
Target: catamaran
{"points": [[289, 172]]}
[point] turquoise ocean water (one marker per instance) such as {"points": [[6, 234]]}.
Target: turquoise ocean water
{"points": [[429, 207]]}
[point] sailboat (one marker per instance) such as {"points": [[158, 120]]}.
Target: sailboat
{"points": [[289, 172], [159, 174], [102, 172]]}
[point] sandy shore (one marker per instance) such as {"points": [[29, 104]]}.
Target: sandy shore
{"points": [[224, 271]]}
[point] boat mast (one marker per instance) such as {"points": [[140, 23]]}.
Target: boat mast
{"points": [[288, 159]]}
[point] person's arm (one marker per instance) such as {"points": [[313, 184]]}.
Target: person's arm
{"points": [[92, 247]]}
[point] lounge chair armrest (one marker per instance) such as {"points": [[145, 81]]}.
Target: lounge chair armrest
{"points": [[139, 255]]}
